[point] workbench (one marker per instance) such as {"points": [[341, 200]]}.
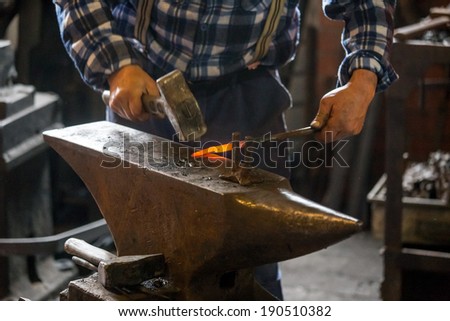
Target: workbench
{"points": [[410, 59]]}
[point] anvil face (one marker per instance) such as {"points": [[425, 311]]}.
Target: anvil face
{"points": [[156, 199]]}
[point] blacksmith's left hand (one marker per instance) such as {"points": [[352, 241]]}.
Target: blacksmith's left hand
{"points": [[343, 110]]}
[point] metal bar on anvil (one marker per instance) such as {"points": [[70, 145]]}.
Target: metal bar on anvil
{"points": [[157, 199]]}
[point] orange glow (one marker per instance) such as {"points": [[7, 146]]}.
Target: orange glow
{"points": [[213, 156], [210, 151]]}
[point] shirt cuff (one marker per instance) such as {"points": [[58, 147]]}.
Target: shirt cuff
{"points": [[369, 61]]}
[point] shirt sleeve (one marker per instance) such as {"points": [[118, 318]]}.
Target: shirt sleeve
{"points": [[366, 38], [88, 34]]}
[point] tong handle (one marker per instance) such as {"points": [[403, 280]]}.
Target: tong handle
{"points": [[305, 131]]}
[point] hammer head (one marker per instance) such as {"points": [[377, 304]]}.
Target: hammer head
{"points": [[130, 270], [181, 106]]}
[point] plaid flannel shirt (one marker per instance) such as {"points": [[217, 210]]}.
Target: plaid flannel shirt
{"points": [[207, 39]]}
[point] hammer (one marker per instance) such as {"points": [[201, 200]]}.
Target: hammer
{"points": [[115, 271], [177, 103]]}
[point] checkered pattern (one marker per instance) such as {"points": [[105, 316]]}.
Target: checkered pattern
{"points": [[367, 37], [207, 39]]}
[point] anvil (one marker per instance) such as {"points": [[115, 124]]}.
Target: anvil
{"points": [[156, 199]]}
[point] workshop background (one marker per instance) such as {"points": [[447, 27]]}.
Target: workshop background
{"points": [[406, 213]]}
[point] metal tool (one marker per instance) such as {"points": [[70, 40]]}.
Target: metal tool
{"points": [[115, 271], [52, 243], [305, 131], [216, 231], [211, 151], [177, 103]]}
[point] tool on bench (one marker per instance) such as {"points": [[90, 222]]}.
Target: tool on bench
{"points": [[115, 271], [438, 18], [177, 103]]}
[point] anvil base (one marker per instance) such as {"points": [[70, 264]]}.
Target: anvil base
{"points": [[89, 289]]}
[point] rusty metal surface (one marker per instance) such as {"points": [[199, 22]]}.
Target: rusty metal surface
{"points": [[156, 199]]}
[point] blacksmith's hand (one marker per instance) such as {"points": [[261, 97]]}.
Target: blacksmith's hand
{"points": [[127, 85], [343, 110]]}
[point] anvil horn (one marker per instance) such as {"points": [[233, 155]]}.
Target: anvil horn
{"points": [[155, 201]]}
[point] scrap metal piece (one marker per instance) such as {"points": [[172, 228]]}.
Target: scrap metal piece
{"points": [[211, 232]]}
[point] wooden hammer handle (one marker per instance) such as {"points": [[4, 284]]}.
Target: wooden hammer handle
{"points": [[87, 252]]}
